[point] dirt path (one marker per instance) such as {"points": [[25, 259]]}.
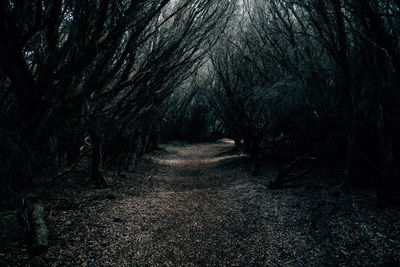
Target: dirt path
{"points": [[203, 208], [198, 205]]}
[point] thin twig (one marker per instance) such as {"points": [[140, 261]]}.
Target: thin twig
{"points": [[69, 168]]}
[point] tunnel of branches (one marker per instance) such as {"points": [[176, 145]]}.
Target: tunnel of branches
{"points": [[99, 83]]}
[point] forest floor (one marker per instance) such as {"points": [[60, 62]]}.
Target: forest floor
{"points": [[199, 204]]}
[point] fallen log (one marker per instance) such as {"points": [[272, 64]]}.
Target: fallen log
{"points": [[33, 219], [40, 232]]}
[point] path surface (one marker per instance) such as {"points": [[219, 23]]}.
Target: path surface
{"points": [[197, 205], [203, 209]]}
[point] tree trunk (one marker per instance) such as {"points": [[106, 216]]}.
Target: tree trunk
{"points": [[386, 185], [351, 151], [97, 176]]}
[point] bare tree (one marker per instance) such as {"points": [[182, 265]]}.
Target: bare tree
{"points": [[93, 70]]}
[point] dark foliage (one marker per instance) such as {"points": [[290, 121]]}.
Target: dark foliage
{"points": [[90, 77], [307, 86], [294, 78]]}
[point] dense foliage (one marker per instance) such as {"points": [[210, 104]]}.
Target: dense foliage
{"points": [[318, 78], [285, 79], [89, 77]]}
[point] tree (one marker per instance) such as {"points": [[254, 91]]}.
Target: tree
{"points": [[96, 71], [320, 75]]}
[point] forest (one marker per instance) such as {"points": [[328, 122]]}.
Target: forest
{"points": [[242, 110]]}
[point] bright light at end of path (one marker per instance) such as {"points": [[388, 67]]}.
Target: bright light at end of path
{"points": [[196, 161], [226, 140]]}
